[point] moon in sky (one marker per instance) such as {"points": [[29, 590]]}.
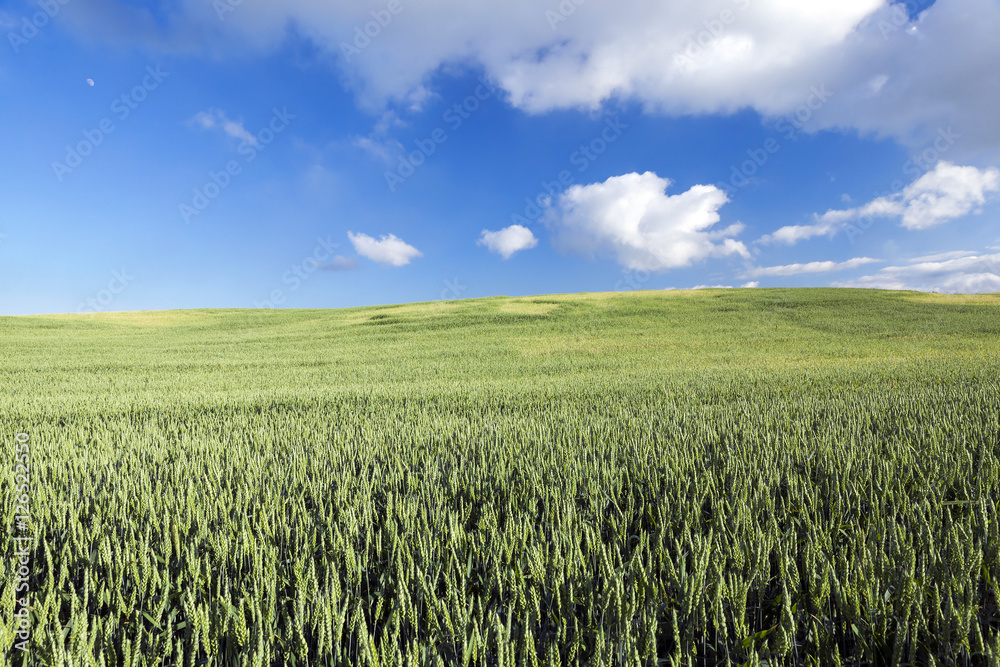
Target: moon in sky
{"points": [[90, 82]]}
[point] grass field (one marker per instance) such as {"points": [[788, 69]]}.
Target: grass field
{"points": [[764, 476]]}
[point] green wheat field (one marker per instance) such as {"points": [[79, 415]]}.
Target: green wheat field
{"points": [[711, 477]]}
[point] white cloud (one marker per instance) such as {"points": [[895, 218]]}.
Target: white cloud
{"points": [[945, 193], [417, 98], [978, 274], [951, 254], [792, 234], [216, 119], [642, 50], [888, 75], [381, 149], [810, 267], [939, 72], [508, 240], [632, 218], [749, 285], [386, 250]]}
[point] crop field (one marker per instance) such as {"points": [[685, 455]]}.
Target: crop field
{"points": [[712, 477]]}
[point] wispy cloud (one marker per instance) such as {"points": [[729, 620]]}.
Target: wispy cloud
{"points": [[749, 285], [966, 275], [378, 143], [808, 267], [942, 256], [339, 263], [417, 99], [216, 119], [945, 193]]}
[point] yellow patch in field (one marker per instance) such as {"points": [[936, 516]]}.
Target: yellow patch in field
{"points": [[425, 309], [955, 299], [528, 307], [409, 312], [147, 318]]}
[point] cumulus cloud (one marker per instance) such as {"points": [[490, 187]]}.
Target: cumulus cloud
{"points": [[388, 249], [508, 240], [966, 275], [631, 218], [945, 193], [890, 74], [935, 78], [216, 119], [809, 267]]}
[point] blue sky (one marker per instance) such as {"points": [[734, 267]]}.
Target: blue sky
{"points": [[257, 154]]}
